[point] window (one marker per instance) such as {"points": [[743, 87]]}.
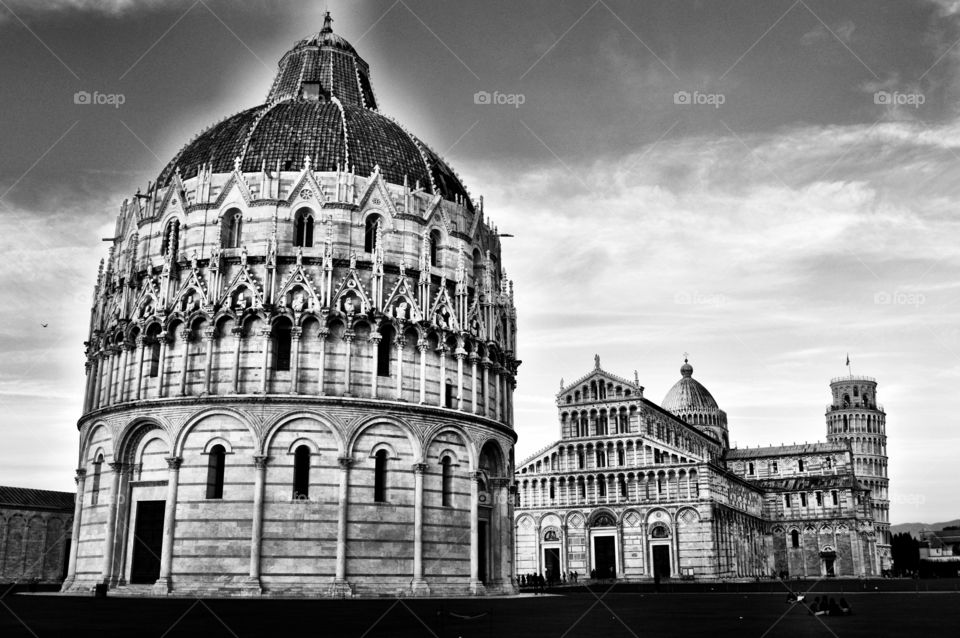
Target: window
{"points": [[95, 488], [601, 488], [380, 477], [370, 233], [621, 457], [446, 482], [835, 498], [800, 465], [750, 469], [301, 473], [215, 466], [856, 391], [281, 346], [623, 488], [230, 229], [311, 91], [774, 468], [450, 395], [580, 460], [383, 351], [553, 493], [787, 501], [581, 490], [819, 497], [601, 458], [171, 238], [303, 229], [154, 355], [828, 462], [803, 499], [435, 239], [795, 538]]}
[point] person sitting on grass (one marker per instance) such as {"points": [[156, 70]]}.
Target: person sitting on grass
{"points": [[833, 608], [845, 607]]}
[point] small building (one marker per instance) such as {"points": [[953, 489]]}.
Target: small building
{"points": [[35, 534], [940, 552]]}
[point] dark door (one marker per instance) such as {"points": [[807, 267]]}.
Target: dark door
{"points": [[482, 548], [829, 565], [661, 561], [551, 564], [604, 550], [148, 542]]}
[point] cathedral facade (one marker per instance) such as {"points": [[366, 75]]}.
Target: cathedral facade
{"points": [[301, 362], [637, 490]]}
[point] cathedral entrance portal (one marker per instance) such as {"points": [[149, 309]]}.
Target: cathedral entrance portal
{"points": [[827, 558], [551, 564], [661, 561], [147, 542], [604, 557]]}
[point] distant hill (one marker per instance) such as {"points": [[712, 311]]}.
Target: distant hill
{"points": [[914, 528]]}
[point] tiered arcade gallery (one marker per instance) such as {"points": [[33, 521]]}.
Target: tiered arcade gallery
{"points": [[301, 363]]}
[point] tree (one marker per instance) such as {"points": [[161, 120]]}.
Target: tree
{"points": [[905, 551]]}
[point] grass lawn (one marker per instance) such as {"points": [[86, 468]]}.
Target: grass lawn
{"points": [[604, 612]]}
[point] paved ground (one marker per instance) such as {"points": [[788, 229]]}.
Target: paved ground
{"points": [[602, 612]]}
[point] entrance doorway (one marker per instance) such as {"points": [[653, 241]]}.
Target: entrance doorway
{"points": [[828, 561], [604, 561], [147, 542], [551, 564], [661, 561]]}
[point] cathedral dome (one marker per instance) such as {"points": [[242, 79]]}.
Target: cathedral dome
{"points": [[688, 394], [321, 105]]}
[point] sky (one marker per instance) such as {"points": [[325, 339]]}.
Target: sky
{"points": [[765, 185]]}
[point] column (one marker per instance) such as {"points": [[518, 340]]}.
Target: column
{"points": [[400, 343], [486, 385], [185, 340], [106, 570], [265, 361], [126, 347], [419, 585], [237, 343], [161, 370], [619, 554], [111, 366], [321, 373], [563, 551], [476, 587], [97, 380], [142, 350], [164, 584], [123, 526], [422, 347], [80, 480], [348, 338], [496, 396], [341, 587], [473, 382], [208, 337], [256, 537], [295, 335], [375, 338], [460, 354]]}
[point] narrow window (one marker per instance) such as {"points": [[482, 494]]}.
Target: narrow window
{"points": [[601, 488], [750, 470], [380, 477], [435, 248], [800, 465], [774, 468], [231, 229], [95, 488], [154, 357], [581, 490], [370, 233], [601, 458], [301, 473], [795, 538], [803, 499], [446, 482], [835, 498], [450, 395], [787, 501], [623, 488], [819, 497], [621, 458], [553, 494], [383, 351], [828, 462], [171, 238], [215, 466], [303, 229], [281, 346], [580, 460]]}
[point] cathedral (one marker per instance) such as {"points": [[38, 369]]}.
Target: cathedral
{"points": [[301, 362], [637, 490]]}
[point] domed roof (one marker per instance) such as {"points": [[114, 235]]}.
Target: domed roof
{"points": [[320, 106], [688, 394]]}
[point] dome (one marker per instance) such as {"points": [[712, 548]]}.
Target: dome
{"points": [[320, 106], [688, 394]]}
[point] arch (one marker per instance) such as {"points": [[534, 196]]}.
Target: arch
{"points": [[384, 446], [432, 435], [305, 441], [87, 441], [492, 457], [603, 517], [170, 241], [214, 442], [370, 222], [435, 246], [358, 429], [135, 434], [197, 418]]}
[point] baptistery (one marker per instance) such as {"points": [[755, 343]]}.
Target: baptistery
{"points": [[301, 362]]}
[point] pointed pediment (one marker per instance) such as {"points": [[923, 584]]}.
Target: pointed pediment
{"points": [[436, 214], [598, 375], [290, 295], [376, 195], [174, 198], [192, 295], [350, 298], [442, 311], [401, 303], [236, 186], [475, 322], [148, 299], [243, 292], [307, 190]]}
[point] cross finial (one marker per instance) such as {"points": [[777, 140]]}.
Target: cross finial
{"points": [[327, 24], [686, 355]]}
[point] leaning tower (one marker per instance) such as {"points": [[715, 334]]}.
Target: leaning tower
{"points": [[854, 416]]}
